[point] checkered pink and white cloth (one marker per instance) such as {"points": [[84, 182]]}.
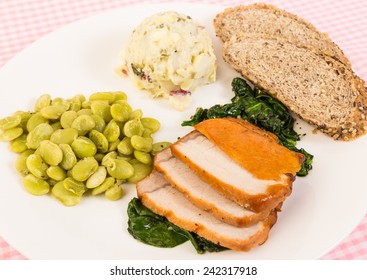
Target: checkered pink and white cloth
{"points": [[24, 21]]}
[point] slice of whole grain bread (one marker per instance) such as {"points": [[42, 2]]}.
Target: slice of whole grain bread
{"points": [[271, 21], [320, 89]]}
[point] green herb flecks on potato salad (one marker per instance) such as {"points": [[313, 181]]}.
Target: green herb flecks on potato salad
{"points": [[180, 57]]}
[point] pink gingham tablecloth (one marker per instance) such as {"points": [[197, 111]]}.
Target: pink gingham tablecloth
{"points": [[24, 21]]}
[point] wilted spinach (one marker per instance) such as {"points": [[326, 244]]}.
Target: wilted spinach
{"points": [[155, 230], [260, 109]]}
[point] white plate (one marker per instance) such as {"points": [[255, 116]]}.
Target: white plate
{"points": [[80, 58]]}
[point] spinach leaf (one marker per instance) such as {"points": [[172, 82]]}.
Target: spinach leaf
{"points": [[203, 245], [200, 115], [260, 109], [152, 229], [155, 230], [307, 164]]}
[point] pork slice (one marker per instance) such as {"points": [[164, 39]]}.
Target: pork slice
{"points": [[228, 177], [202, 194], [159, 196], [256, 150]]}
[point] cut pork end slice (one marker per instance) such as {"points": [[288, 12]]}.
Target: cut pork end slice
{"points": [[255, 149], [160, 197], [201, 194], [228, 177]]}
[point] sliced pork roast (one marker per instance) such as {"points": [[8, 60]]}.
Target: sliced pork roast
{"points": [[201, 194], [158, 195], [241, 161], [225, 181]]}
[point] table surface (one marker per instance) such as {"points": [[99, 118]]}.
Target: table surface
{"points": [[24, 21]]}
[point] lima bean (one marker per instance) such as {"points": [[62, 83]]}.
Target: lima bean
{"points": [[64, 136], [120, 169], [61, 102], [67, 118], [113, 145], [104, 96], [34, 121], [10, 122], [159, 146], [142, 144], [21, 162], [114, 193], [99, 157], [112, 131], [74, 186], [19, 145], [100, 123], [84, 168], [41, 132], [102, 109], [35, 186], [124, 147], [107, 159], [52, 112], [147, 132], [99, 140], [152, 124], [85, 111], [120, 95], [37, 166], [25, 116], [56, 125], [81, 97], [69, 158], [140, 172], [66, 197], [86, 104], [75, 104], [56, 173], [97, 178], [136, 114], [84, 147], [50, 152], [83, 124], [43, 101], [121, 111], [133, 127], [107, 183], [143, 157], [11, 134], [127, 158], [52, 182]]}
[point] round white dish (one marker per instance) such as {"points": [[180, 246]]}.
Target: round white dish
{"points": [[80, 58]]}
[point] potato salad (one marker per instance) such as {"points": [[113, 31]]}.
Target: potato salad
{"points": [[170, 55]]}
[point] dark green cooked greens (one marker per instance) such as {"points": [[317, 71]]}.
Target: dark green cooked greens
{"points": [[155, 230], [260, 109]]}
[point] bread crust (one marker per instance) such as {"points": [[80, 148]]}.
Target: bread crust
{"points": [[355, 123], [225, 31]]}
